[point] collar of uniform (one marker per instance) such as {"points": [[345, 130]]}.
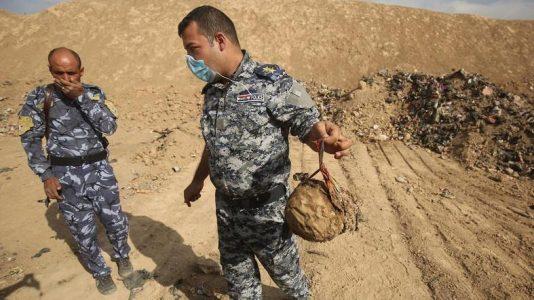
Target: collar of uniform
{"points": [[243, 67]]}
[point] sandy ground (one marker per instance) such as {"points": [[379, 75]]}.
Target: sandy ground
{"points": [[430, 229], [412, 243]]}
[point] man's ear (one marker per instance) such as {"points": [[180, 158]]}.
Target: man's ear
{"points": [[221, 40], [82, 70]]}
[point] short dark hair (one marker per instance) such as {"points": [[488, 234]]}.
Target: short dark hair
{"points": [[76, 56], [210, 20]]}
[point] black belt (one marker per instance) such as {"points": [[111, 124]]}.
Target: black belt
{"points": [[257, 200], [78, 160]]}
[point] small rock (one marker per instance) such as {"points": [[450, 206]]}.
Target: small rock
{"points": [[376, 126], [509, 171], [220, 296], [382, 137], [407, 137], [487, 91], [496, 178], [445, 193], [176, 169], [401, 179], [2, 98], [383, 72]]}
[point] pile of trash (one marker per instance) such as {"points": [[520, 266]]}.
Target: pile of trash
{"points": [[458, 114], [466, 115]]}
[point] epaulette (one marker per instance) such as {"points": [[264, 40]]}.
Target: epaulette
{"points": [[95, 93], [271, 72]]}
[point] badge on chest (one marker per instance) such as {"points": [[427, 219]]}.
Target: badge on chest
{"points": [[246, 97]]}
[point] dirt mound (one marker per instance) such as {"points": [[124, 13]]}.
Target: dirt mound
{"points": [[460, 114], [468, 116], [430, 229]]}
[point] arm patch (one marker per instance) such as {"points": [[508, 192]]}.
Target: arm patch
{"points": [[271, 72], [298, 96]]}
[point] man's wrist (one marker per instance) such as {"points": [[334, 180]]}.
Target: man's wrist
{"points": [[308, 135], [46, 175]]}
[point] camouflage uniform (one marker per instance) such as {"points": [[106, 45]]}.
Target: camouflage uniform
{"points": [[89, 190], [245, 124]]}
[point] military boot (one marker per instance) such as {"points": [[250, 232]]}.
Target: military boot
{"points": [[105, 284], [125, 267]]}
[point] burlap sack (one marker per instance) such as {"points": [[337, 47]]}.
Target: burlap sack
{"points": [[310, 213], [319, 211]]}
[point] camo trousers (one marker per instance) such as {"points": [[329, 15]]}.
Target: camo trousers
{"points": [[262, 233], [89, 192]]}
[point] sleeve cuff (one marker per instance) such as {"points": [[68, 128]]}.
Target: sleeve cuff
{"points": [[307, 128], [46, 175]]}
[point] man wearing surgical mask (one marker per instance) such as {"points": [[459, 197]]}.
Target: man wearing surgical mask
{"points": [[249, 110]]}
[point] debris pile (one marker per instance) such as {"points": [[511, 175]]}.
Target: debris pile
{"points": [[460, 114], [466, 115]]}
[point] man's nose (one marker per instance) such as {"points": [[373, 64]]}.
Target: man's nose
{"points": [[65, 76]]}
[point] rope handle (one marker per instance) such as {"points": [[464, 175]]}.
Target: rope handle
{"points": [[328, 180]]}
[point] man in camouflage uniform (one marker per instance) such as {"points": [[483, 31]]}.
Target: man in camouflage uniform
{"points": [[249, 110], [76, 171]]}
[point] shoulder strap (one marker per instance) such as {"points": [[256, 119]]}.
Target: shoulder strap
{"points": [[102, 139], [46, 108]]}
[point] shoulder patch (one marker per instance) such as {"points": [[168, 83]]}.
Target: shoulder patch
{"points": [[25, 124], [271, 72], [94, 96], [298, 96], [93, 91]]}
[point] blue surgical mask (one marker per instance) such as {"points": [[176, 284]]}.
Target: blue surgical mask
{"points": [[200, 69]]}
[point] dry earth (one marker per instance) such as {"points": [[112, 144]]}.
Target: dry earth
{"points": [[430, 229]]}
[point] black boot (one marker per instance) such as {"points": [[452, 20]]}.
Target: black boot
{"points": [[105, 284], [125, 267]]}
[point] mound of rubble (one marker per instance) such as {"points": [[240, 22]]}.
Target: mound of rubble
{"points": [[460, 114]]}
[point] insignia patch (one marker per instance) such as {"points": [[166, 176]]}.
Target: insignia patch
{"points": [[95, 97], [272, 72], [40, 106], [269, 70], [25, 124], [254, 97]]}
